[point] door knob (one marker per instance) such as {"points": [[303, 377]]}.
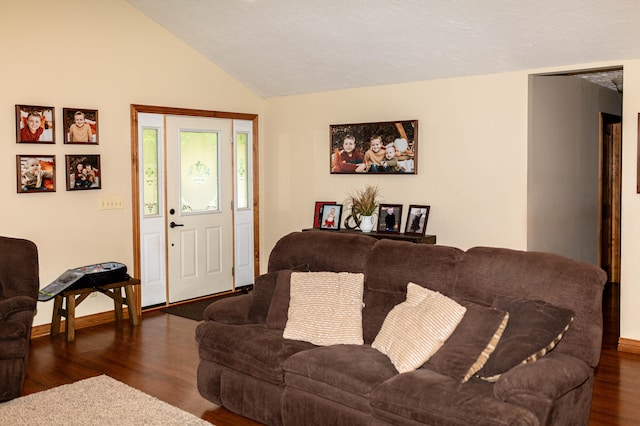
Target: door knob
{"points": [[173, 224]]}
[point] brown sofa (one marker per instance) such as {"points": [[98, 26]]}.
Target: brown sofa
{"points": [[19, 284], [247, 366]]}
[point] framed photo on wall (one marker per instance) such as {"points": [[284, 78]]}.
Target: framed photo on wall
{"points": [[317, 212], [331, 215], [83, 172], [389, 218], [35, 124], [36, 173], [389, 147], [417, 220], [81, 125]]}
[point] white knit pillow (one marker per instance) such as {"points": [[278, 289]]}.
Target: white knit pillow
{"points": [[416, 328], [325, 308]]}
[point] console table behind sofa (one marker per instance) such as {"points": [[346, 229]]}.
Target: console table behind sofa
{"points": [[418, 239]]}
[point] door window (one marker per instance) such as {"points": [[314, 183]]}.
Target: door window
{"points": [[199, 184], [242, 170], [150, 166]]}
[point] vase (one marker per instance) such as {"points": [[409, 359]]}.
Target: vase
{"points": [[366, 223]]}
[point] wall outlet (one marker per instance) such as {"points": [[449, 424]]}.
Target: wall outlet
{"points": [[110, 203]]}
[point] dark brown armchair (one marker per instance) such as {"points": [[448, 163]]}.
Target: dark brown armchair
{"points": [[19, 285]]}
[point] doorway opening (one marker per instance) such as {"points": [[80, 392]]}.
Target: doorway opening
{"points": [[574, 174]]}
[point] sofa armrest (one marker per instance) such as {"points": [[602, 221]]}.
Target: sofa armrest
{"points": [[13, 305], [231, 310], [550, 377]]}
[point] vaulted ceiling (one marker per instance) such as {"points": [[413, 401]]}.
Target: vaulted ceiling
{"points": [[286, 47]]}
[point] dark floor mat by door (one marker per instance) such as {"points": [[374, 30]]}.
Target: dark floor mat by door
{"points": [[194, 310]]}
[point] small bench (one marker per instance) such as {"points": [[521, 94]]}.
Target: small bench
{"points": [[72, 298]]}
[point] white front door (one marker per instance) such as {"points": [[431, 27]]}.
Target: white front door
{"points": [[199, 207]]}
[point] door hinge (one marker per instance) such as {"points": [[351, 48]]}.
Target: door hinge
{"points": [[231, 205], [233, 271]]}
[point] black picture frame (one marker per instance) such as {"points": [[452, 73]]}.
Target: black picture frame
{"points": [[88, 117], [417, 218], [397, 138], [83, 172], [331, 217], [390, 218], [317, 212], [43, 116], [39, 178]]}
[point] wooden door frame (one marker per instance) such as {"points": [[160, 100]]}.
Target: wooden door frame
{"points": [[135, 174], [610, 178]]}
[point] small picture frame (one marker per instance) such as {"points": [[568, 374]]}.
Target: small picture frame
{"points": [[83, 172], [317, 212], [389, 218], [36, 173], [417, 220], [35, 124], [80, 126], [331, 216]]}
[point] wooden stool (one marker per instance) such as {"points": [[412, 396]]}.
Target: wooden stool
{"points": [[73, 298]]}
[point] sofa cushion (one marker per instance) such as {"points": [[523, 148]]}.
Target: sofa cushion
{"points": [[251, 348], [466, 351], [426, 397], [325, 308], [569, 373], [534, 328], [415, 329], [322, 251], [279, 307], [263, 291], [486, 272], [346, 374], [391, 265]]}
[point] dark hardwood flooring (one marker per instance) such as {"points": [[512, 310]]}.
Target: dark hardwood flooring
{"points": [[160, 358]]}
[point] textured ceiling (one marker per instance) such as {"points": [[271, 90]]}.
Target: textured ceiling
{"points": [[285, 47]]}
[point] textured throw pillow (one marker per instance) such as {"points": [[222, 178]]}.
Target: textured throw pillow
{"points": [[467, 350], [534, 328], [416, 328], [325, 308]]}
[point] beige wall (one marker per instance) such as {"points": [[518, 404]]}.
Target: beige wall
{"points": [[104, 55], [472, 146]]}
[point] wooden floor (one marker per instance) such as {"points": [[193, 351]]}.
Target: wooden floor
{"points": [[160, 358]]}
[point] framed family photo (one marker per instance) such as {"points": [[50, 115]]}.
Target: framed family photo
{"points": [[389, 218], [83, 172], [36, 173], [81, 126], [417, 220], [331, 215], [318, 210], [35, 124], [388, 147]]}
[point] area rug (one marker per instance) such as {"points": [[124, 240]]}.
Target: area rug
{"points": [[99, 400]]}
